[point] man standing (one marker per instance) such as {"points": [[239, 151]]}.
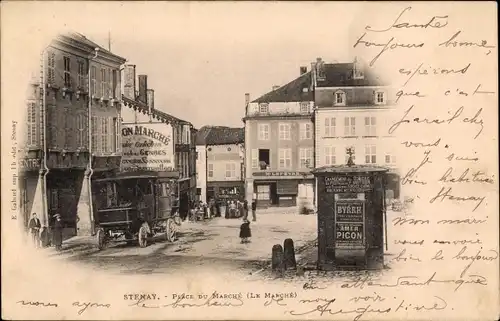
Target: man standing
{"points": [[34, 227], [254, 209]]}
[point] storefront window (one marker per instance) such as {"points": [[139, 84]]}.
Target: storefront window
{"points": [[263, 192]]}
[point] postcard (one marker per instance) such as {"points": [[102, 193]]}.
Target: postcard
{"points": [[249, 160]]}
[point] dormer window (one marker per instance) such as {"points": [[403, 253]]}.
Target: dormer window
{"points": [[339, 99], [263, 107], [380, 98]]}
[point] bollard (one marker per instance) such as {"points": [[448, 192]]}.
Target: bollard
{"points": [[289, 255], [277, 265]]}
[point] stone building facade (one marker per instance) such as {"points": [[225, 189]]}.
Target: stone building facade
{"points": [[72, 136], [279, 144]]}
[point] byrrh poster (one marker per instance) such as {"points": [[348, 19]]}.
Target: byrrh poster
{"points": [[397, 100]]}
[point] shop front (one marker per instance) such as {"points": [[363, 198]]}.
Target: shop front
{"points": [[282, 188], [226, 191]]}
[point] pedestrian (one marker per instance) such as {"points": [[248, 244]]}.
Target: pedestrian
{"points": [[254, 209], [58, 232], [245, 232], [245, 210], [34, 228]]}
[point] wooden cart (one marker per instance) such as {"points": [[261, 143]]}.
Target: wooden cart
{"points": [[134, 207]]}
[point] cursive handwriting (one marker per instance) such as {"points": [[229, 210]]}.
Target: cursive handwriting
{"points": [[180, 302], [410, 176], [360, 282], [458, 242], [458, 112], [452, 156], [434, 22], [476, 177], [277, 301], [431, 71], [473, 258], [86, 305], [445, 194], [412, 144], [311, 285], [401, 93], [454, 43], [401, 257], [376, 307], [38, 304], [419, 242], [389, 45]]}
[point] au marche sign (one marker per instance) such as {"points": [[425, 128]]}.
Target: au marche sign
{"points": [[147, 148]]}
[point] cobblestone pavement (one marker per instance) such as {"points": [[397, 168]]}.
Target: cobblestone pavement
{"points": [[212, 244]]}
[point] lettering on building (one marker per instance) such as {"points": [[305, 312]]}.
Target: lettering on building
{"points": [[147, 148]]}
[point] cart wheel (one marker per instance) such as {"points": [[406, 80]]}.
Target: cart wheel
{"points": [[170, 231], [143, 236], [101, 239]]}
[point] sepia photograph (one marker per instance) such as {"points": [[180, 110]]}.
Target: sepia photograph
{"points": [[249, 160]]}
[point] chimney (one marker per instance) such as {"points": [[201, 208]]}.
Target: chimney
{"points": [[275, 87], [247, 99], [151, 99], [129, 81], [143, 88]]}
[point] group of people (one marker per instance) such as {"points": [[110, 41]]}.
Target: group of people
{"points": [[35, 230], [231, 208], [237, 209]]}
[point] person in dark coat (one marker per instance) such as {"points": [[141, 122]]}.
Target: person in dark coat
{"points": [[254, 209], [58, 232], [245, 232], [245, 210], [34, 227]]}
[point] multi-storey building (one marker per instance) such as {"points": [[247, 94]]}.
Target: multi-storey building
{"points": [[73, 131], [156, 141], [223, 150], [353, 110], [279, 144], [201, 163]]}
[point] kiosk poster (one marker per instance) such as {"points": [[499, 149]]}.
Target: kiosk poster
{"points": [[349, 224], [147, 147], [347, 184]]}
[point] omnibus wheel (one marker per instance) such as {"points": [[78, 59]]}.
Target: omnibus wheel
{"points": [[170, 230], [143, 236], [101, 239]]}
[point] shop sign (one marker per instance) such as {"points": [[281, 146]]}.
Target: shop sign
{"points": [[29, 163], [279, 173], [349, 224], [147, 148], [347, 184], [228, 191]]}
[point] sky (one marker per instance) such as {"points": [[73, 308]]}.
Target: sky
{"points": [[201, 58]]}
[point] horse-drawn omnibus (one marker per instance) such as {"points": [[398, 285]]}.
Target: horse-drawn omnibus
{"points": [[135, 206]]}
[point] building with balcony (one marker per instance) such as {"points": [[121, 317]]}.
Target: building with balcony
{"points": [[221, 152], [72, 136], [353, 110], [279, 144], [153, 140]]}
